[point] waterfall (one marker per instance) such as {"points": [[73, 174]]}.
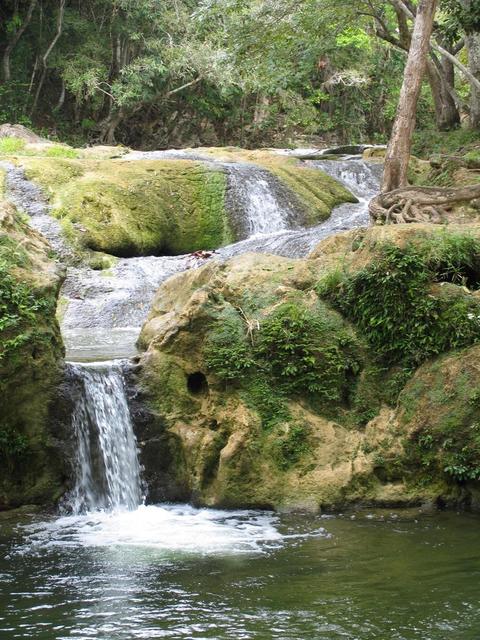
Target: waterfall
{"points": [[107, 467], [258, 202], [360, 177]]}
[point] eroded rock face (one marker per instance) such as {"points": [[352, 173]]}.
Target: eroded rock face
{"points": [[233, 447], [32, 469], [263, 395]]}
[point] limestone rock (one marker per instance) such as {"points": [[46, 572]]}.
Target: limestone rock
{"points": [[32, 466], [21, 132]]}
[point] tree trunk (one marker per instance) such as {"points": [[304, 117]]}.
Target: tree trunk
{"points": [[109, 126], [58, 33], [447, 115], [7, 52], [398, 151], [472, 41]]}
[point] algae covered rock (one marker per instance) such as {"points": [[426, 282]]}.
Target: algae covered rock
{"points": [[31, 352], [135, 208], [292, 384], [252, 377], [439, 410]]}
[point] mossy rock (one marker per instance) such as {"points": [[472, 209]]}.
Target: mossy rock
{"points": [[32, 468], [440, 410], [316, 191], [164, 207], [277, 399], [257, 425], [136, 208]]}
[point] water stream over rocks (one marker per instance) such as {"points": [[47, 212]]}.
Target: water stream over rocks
{"points": [[102, 311], [107, 467], [115, 569]]}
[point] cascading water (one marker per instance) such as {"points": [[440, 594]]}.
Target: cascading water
{"points": [[107, 467], [360, 177], [120, 569], [258, 203], [105, 310]]}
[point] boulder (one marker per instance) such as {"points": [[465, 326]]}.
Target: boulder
{"points": [[21, 132]]}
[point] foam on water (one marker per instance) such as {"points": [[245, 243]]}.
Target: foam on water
{"points": [[169, 529]]}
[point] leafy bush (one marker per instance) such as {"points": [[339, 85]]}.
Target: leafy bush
{"points": [[391, 301], [306, 353], [294, 351], [227, 351], [453, 450]]}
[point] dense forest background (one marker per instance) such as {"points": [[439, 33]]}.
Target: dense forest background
{"points": [[157, 73]]}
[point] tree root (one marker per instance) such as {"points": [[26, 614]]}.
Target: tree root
{"points": [[419, 204]]}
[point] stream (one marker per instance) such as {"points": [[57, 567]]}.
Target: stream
{"points": [[111, 567]]}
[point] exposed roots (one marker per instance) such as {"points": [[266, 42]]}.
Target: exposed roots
{"points": [[419, 204]]}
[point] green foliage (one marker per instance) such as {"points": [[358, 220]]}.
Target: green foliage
{"points": [[230, 71], [391, 302], [12, 443], [295, 351], [10, 146], [427, 141], [228, 353], [453, 450], [287, 449], [19, 307], [267, 399], [306, 353]]}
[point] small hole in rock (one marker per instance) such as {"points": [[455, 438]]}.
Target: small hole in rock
{"points": [[197, 383]]}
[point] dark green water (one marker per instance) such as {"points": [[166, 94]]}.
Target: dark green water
{"points": [[187, 574]]}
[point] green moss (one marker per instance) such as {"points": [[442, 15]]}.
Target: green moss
{"points": [[292, 351], [60, 151], [228, 353], [136, 208], [271, 403], [319, 192], [307, 351], [30, 353], [441, 405], [54, 173], [315, 190], [290, 447]]}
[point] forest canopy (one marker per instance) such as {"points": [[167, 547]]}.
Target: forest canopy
{"points": [[249, 72]]}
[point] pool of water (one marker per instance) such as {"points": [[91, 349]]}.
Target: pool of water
{"points": [[178, 572]]}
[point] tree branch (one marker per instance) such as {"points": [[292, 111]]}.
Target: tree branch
{"points": [[184, 86]]}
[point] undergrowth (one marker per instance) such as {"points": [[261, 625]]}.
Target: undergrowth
{"points": [[294, 351], [392, 303], [19, 309]]}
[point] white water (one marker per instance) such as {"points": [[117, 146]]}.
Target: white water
{"points": [[258, 202], [167, 529], [107, 467], [360, 177]]}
